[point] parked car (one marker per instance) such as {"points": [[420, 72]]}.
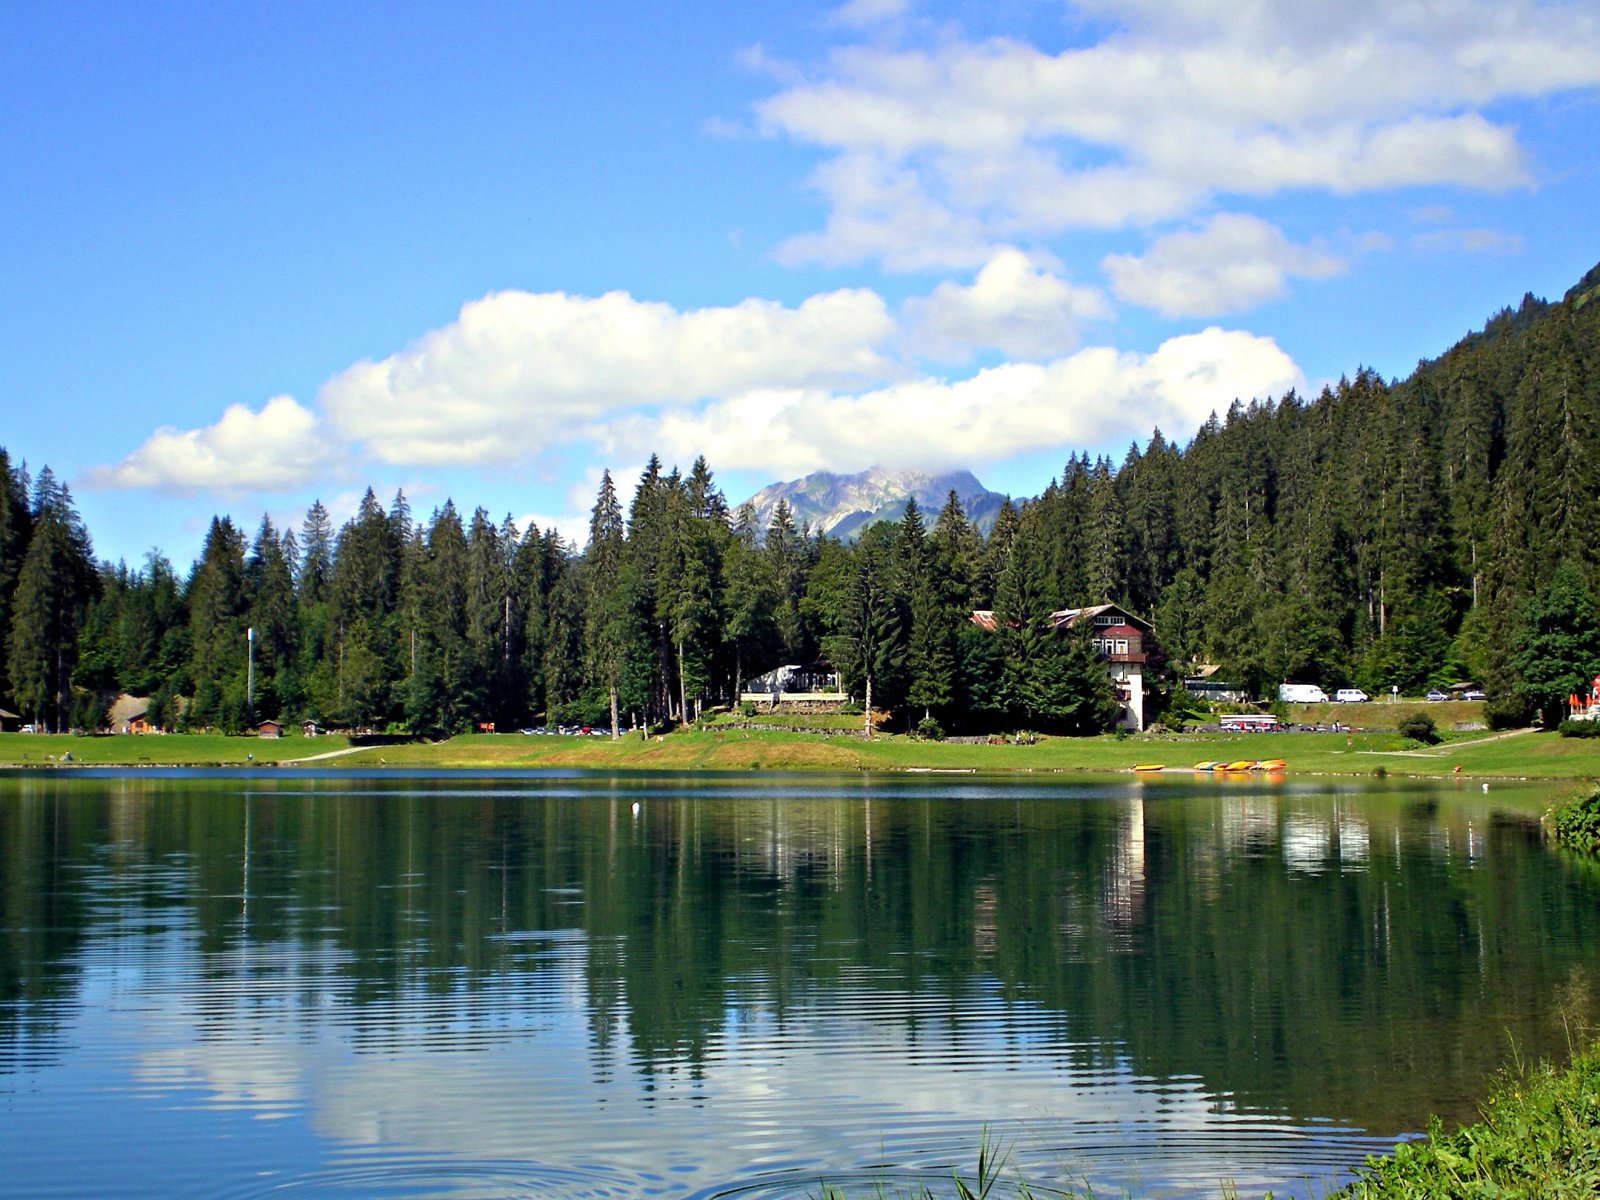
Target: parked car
{"points": [[1474, 694], [1350, 696], [1438, 694]]}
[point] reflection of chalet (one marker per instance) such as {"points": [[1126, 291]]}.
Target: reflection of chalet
{"points": [[1118, 638], [808, 686]]}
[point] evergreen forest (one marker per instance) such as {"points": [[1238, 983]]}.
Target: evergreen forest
{"points": [[1396, 534]]}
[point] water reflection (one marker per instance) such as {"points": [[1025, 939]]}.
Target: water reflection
{"points": [[601, 986]]}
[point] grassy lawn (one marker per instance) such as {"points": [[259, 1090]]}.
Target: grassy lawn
{"points": [[1386, 714], [174, 749], [824, 721], [1479, 755]]}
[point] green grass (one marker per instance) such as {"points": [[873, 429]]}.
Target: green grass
{"points": [[1481, 756], [1539, 1137], [841, 722], [173, 749], [1387, 714]]}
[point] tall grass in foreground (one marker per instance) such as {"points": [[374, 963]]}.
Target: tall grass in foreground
{"points": [[1539, 1137]]}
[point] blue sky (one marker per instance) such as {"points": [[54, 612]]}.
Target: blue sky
{"points": [[256, 255]]}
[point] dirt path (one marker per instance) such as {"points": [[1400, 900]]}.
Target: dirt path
{"points": [[284, 762], [1450, 749]]}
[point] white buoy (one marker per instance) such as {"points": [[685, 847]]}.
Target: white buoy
{"points": [[636, 808], [1486, 787]]}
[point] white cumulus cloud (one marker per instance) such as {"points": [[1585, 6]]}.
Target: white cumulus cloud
{"points": [[518, 372], [997, 141], [863, 13], [1230, 263], [1094, 397], [280, 448], [1012, 306]]}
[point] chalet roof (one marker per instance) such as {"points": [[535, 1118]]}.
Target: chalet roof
{"points": [[1128, 625], [1067, 617], [128, 708]]}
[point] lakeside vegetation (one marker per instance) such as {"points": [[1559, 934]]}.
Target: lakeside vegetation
{"points": [[1538, 1136], [1576, 822], [734, 747]]}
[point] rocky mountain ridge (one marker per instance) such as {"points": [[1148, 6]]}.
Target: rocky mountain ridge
{"points": [[843, 505]]}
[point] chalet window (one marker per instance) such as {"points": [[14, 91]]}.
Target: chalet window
{"points": [[1106, 619], [1122, 645]]}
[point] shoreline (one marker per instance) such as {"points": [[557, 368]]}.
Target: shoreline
{"points": [[1518, 756]]}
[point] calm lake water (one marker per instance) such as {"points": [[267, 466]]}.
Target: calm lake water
{"points": [[574, 985]]}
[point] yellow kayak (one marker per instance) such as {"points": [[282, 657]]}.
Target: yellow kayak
{"points": [[1243, 764], [1272, 764], [1210, 764], [1150, 766]]}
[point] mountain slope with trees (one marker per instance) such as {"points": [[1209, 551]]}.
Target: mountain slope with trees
{"points": [[1385, 534]]}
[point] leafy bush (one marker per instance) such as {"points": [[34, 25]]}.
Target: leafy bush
{"points": [[1507, 712], [930, 729], [1539, 1137], [850, 708], [1419, 727], [747, 709], [1577, 822], [1579, 729]]}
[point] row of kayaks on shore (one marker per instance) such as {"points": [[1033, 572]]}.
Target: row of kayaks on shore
{"points": [[1241, 764]]}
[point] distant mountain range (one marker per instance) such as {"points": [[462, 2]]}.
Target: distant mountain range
{"points": [[843, 505]]}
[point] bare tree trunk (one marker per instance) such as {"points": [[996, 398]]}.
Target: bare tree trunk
{"points": [[867, 719], [615, 731], [683, 685]]}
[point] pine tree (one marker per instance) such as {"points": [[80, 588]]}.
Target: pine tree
{"points": [[217, 623], [785, 549], [608, 610], [931, 631], [858, 598], [749, 598], [270, 602], [1555, 651], [16, 530]]}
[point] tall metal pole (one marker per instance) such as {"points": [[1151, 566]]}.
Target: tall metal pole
{"points": [[250, 675]]}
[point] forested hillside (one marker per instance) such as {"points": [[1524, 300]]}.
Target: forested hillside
{"points": [[1384, 534]]}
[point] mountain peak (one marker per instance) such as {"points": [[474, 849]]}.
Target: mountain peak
{"points": [[844, 505]]}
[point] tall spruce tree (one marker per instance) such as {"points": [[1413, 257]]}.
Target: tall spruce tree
{"points": [[218, 608], [55, 584], [608, 611], [16, 529], [931, 631]]}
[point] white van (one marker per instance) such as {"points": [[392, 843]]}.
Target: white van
{"points": [[1301, 693], [1350, 696]]}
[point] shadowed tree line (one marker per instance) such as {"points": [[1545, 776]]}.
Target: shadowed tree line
{"points": [[1385, 534]]}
